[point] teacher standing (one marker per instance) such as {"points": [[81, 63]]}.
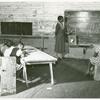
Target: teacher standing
{"points": [[60, 38]]}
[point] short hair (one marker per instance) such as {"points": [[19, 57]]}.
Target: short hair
{"points": [[59, 18], [21, 43], [8, 43]]}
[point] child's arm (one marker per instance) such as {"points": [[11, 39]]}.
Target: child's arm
{"points": [[19, 53]]}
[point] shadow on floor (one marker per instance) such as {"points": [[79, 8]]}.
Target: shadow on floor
{"points": [[71, 70], [68, 70]]}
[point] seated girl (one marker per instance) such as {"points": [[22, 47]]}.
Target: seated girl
{"points": [[20, 55], [93, 61], [14, 51]]}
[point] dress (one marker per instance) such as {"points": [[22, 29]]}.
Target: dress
{"points": [[59, 38], [96, 60]]}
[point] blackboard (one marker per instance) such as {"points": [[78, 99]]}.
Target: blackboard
{"points": [[16, 28], [85, 24]]}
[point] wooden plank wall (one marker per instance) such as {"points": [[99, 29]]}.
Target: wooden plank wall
{"points": [[44, 13]]}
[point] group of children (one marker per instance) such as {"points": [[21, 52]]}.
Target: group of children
{"points": [[9, 49]]}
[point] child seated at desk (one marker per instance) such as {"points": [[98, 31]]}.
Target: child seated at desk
{"points": [[94, 61], [19, 54], [14, 51]]}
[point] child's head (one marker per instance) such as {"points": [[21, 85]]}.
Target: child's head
{"points": [[60, 18], [20, 45], [8, 43]]}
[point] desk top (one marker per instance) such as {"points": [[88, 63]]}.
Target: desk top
{"points": [[36, 55]]}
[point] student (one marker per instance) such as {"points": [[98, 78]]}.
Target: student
{"points": [[3, 47], [20, 52], [60, 38], [9, 47], [14, 51], [93, 61]]}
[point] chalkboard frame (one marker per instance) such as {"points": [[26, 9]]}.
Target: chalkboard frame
{"points": [[90, 33]]}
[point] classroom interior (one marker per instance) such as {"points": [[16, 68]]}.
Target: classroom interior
{"points": [[34, 24]]}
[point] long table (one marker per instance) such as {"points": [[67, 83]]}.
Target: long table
{"points": [[38, 57]]}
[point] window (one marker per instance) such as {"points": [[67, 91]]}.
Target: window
{"points": [[16, 28]]}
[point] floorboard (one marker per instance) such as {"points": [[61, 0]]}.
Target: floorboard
{"points": [[71, 81]]}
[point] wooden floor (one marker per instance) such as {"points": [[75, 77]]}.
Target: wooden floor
{"points": [[71, 82], [88, 89]]}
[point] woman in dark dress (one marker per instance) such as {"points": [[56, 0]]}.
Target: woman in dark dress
{"points": [[60, 38]]}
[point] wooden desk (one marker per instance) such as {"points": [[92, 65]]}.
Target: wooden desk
{"points": [[38, 57], [81, 51]]}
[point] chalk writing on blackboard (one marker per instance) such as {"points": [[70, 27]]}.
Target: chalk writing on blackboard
{"points": [[92, 28]]}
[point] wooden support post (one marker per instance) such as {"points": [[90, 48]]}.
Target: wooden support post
{"points": [[8, 75], [51, 73], [25, 74]]}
